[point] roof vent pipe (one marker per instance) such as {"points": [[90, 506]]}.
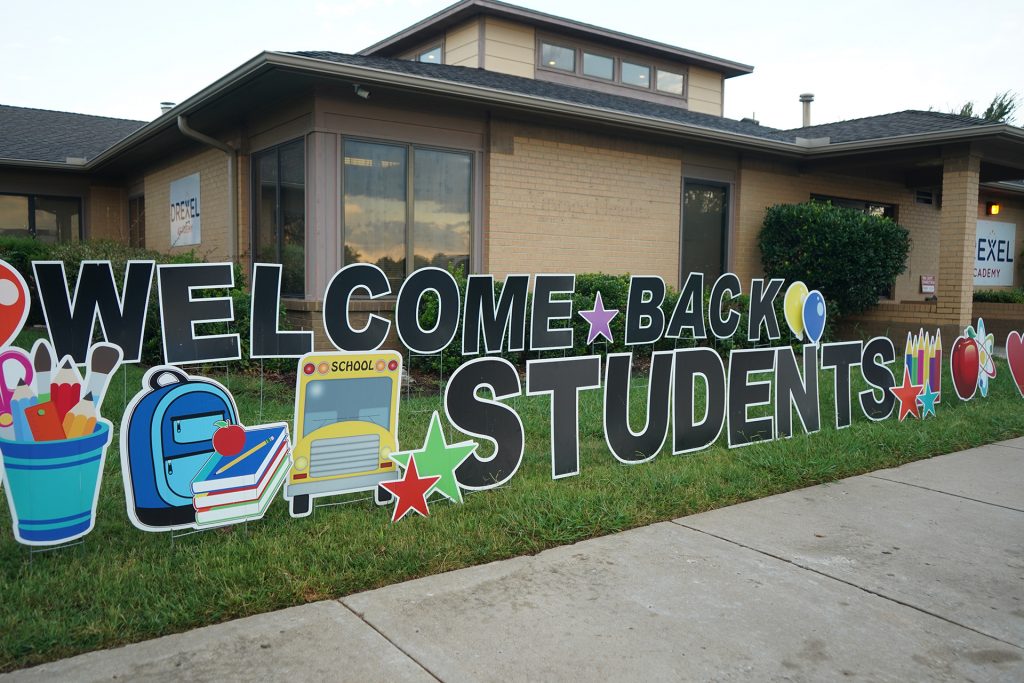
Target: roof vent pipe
{"points": [[806, 99], [166, 107]]}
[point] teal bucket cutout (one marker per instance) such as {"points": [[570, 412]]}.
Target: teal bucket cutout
{"points": [[52, 486]]}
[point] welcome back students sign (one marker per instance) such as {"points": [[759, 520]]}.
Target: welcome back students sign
{"points": [[187, 461]]}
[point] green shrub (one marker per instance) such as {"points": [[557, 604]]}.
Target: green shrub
{"points": [[1000, 296], [850, 257]]}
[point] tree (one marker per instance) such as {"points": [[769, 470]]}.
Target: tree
{"points": [[850, 256], [1000, 110]]}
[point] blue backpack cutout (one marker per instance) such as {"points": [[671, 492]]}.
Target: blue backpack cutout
{"points": [[170, 438]]}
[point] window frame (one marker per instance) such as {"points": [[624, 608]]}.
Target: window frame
{"points": [[727, 223], [439, 46], [617, 60], [31, 197], [410, 200], [254, 197]]}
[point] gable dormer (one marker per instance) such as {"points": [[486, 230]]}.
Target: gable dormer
{"points": [[496, 36]]}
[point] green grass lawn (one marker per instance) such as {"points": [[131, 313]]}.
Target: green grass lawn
{"points": [[124, 585]]}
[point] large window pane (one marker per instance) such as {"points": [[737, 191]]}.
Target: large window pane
{"points": [[293, 218], [14, 215], [670, 82], [57, 220], [598, 66], [375, 206], [705, 217], [636, 74], [558, 57], [266, 208], [443, 197]]}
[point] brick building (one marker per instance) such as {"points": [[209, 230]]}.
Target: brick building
{"points": [[514, 142]]}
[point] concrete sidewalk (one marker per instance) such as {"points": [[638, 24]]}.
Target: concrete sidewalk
{"points": [[913, 573]]}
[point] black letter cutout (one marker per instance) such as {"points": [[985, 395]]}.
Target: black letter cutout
{"points": [[762, 309], [564, 378], [407, 318], [70, 325], [723, 328], [481, 313], [180, 312], [689, 310], [790, 390], [339, 290], [266, 340], [841, 356], [640, 307], [487, 419], [626, 445], [542, 337], [744, 394], [878, 353], [687, 434]]}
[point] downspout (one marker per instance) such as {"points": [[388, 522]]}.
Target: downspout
{"points": [[232, 153]]}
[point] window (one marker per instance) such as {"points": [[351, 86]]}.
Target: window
{"points": [[670, 82], [50, 219], [279, 214], [598, 66], [705, 229], [137, 221], [406, 207], [636, 74], [558, 57], [868, 207], [431, 56]]}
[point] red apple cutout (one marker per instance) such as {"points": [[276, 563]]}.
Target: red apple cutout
{"points": [[229, 439], [964, 366]]}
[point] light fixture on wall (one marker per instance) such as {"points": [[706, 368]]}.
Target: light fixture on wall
{"points": [[992, 208], [361, 91]]}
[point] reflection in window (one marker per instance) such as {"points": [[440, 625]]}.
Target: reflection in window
{"points": [[558, 57], [387, 220], [705, 221], [636, 74], [670, 82], [50, 219], [431, 56], [279, 229], [598, 66]]}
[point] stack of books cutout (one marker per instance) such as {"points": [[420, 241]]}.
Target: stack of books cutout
{"points": [[232, 489]]}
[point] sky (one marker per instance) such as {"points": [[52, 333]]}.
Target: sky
{"points": [[858, 58]]}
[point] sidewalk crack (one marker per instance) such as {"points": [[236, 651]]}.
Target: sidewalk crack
{"points": [[398, 647], [883, 596], [947, 493]]}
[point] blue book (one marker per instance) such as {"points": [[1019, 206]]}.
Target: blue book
{"points": [[261, 445]]}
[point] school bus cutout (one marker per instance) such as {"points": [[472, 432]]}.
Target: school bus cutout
{"points": [[346, 425]]}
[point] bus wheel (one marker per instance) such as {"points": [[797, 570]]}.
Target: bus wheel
{"points": [[300, 506]]}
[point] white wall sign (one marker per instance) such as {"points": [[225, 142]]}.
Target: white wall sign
{"points": [[995, 252], [185, 206]]}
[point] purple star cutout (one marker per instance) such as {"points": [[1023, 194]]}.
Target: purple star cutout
{"points": [[600, 320]]}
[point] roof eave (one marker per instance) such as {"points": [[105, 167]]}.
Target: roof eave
{"points": [[916, 139], [43, 165]]}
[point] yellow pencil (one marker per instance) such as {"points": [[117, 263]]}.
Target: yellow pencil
{"points": [[245, 455]]}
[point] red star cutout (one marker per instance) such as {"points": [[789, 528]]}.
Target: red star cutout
{"points": [[907, 396], [410, 492]]}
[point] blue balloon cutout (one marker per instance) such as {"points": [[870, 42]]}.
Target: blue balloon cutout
{"points": [[814, 316]]}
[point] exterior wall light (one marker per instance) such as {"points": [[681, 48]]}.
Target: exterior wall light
{"points": [[992, 208], [361, 91]]}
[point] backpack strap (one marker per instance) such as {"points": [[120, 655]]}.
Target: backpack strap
{"points": [[178, 375]]}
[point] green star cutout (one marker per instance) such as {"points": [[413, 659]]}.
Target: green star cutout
{"points": [[439, 459], [927, 400]]}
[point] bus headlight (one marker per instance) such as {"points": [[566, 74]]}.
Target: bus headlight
{"points": [[385, 452], [301, 462]]}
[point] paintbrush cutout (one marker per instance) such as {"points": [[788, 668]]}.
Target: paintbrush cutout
{"points": [[103, 361], [42, 364]]}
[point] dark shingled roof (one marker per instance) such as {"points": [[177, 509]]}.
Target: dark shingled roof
{"points": [[908, 122], [869, 128], [44, 135]]}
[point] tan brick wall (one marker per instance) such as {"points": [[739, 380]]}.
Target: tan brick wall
{"points": [[957, 235], [108, 214], [562, 201], [763, 185], [212, 166]]}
